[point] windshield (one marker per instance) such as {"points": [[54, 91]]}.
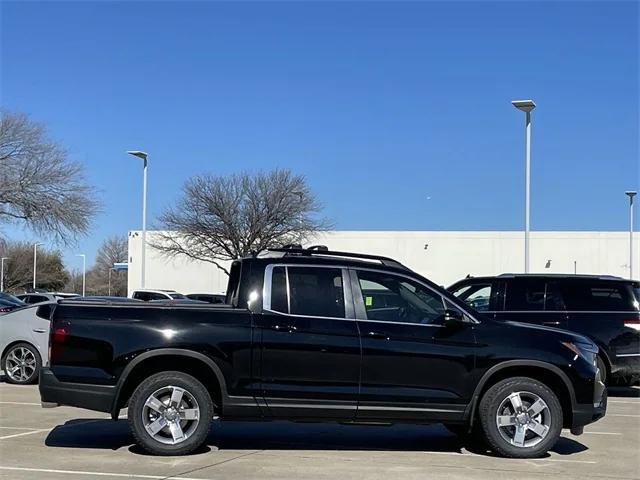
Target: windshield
{"points": [[5, 297], [177, 296]]}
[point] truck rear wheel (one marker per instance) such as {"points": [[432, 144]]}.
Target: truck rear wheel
{"points": [[170, 413], [521, 417]]}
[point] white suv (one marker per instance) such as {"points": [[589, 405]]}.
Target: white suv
{"points": [[148, 295]]}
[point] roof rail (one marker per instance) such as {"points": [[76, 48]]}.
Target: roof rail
{"points": [[323, 251]]}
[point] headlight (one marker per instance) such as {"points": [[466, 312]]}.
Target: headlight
{"points": [[588, 351]]}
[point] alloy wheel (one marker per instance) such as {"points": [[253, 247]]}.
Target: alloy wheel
{"points": [[171, 415], [20, 364], [523, 419]]}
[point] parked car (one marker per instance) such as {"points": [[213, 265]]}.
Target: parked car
{"points": [[304, 338], [40, 297], [606, 309], [24, 340], [9, 303], [208, 297], [148, 295], [177, 301]]}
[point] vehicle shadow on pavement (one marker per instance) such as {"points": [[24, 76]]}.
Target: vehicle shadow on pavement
{"points": [[280, 435], [623, 391]]}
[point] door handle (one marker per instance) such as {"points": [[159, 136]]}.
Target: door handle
{"points": [[378, 335], [39, 330], [551, 323]]}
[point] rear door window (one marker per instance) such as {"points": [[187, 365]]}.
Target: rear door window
{"points": [[308, 291], [598, 295]]}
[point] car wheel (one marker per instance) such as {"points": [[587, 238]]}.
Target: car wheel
{"points": [[521, 418], [170, 413], [603, 369], [21, 364]]}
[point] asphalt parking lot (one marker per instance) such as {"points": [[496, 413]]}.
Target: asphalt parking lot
{"points": [[68, 443]]}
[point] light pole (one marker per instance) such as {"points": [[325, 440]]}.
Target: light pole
{"points": [[35, 262], [110, 270], [84, 271], [630, 194], [2, 273], [300, 195], [143, 156], [526, 106]]}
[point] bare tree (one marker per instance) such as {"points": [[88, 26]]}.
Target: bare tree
{"points": [[114, 249], [18, 269], [39, 186], [224, 218]]}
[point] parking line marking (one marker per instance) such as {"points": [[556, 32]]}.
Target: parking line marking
{"points": [[100, 474], [624, 401], [621, 415], [19, 428], [561, 460], [19, 403], [24, 433], [601, 433]]}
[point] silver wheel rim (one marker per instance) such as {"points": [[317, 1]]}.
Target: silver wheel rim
{"points": [[523, 419], [171, 415], [20, 365]]}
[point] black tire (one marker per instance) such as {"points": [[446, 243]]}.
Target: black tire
{"points": [[32, 375], [528, 387], [602, 366], [137, 414]]}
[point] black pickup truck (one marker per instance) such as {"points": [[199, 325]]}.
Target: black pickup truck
{"points": [[314, 335]]}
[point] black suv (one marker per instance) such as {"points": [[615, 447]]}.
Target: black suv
{"points": [[603, 308], [311, 335]]}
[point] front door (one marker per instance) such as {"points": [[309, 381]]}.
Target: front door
{"points": [[414, 367], [310, 347]]}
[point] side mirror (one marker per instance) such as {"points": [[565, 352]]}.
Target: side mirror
{"points": [[452, 317]]}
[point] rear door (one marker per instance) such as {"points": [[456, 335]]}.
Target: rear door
{"points": [[310, 348], [533, 300]]}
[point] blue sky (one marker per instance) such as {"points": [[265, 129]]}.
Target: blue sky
{"points": [[398, 113]]}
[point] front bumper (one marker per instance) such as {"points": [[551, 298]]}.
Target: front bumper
{"points": [[53, 393], [584, 414]]}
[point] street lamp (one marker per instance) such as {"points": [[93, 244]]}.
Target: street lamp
{"points": [[143, 156], [2, 273], [84, 271], [35, 262], [630, 194], [110, 270], [526, 106]]}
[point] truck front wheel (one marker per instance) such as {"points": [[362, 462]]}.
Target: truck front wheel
{"points": [[521, 417], [170, 413]]}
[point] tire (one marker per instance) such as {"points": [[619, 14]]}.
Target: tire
{"points": [[534, 430], [603, 370], [180, 428], [22, 364]]}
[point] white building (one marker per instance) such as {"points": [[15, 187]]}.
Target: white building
{"points": [[443, 257]]}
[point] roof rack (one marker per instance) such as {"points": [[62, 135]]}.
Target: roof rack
{"points": [[324, 251]]}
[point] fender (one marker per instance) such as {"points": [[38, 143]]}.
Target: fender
{"points": [[518, 363], [165, 352]]}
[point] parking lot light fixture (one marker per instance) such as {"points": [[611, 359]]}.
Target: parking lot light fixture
{"points": [[143, 156], [630, 194], [2, 273], [35, 262], [526, 106], [84, 271]]}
